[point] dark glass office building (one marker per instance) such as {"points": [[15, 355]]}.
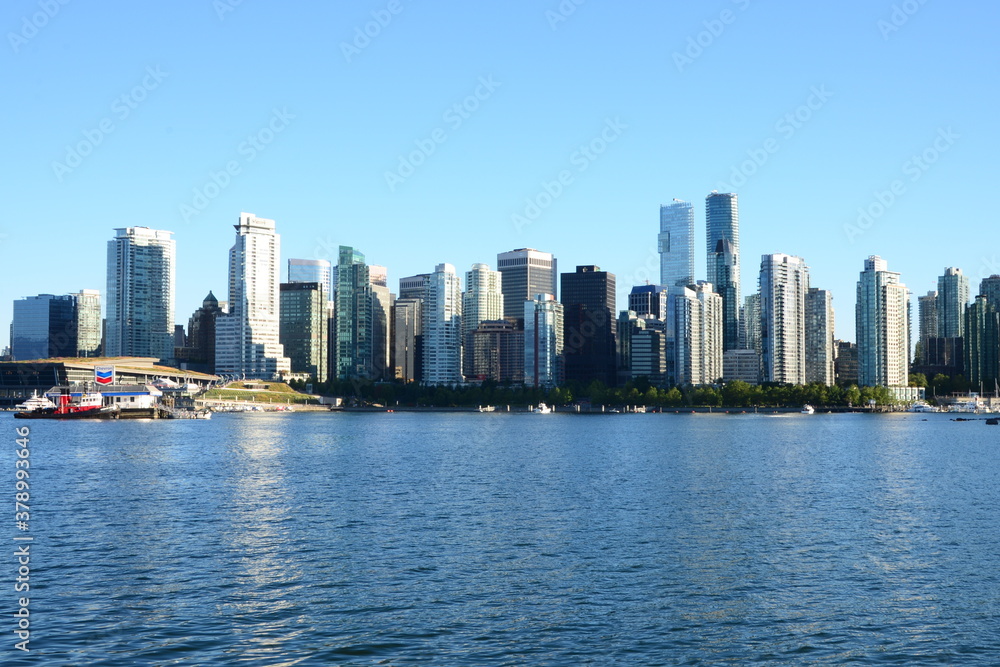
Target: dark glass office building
{"points": [[722, 221], [589, 325], [44, 327]]}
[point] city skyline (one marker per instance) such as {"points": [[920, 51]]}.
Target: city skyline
{"points": [[552, 144]]}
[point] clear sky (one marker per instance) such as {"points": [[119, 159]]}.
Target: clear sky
{"points": [[119, 113]]}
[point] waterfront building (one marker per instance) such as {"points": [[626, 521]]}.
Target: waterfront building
{"points": [[44, 327], [743, 365], [675, 243], [543, 341], [953, 297], [497, 352], [442, 328], [589, 325], [628, 323], [820, 350], [648, 350], [247, 337], [784, 283], [684, 337], [882, 322], [928, 323], [648, 300], [482, 301], [199, 352], [382, 341], [140, 293], [409, 342], [944, 356], [982, 343], [846, 364], [407, 339], [304, 328], [524, 273], [712, 332], [353, 355], [722, 221]]}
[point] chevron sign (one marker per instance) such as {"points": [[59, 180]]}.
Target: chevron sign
{"points": [[104, 374]]}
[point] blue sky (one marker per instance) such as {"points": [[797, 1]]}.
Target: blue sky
{"points": [[810, 113]]}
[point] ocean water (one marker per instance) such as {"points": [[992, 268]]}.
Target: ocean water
{"points": [[509, 539]]}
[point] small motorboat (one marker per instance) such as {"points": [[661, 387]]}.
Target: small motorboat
{"points": [[542, 409], [808, 410]]}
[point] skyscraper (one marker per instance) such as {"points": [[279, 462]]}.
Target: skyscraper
{"points": [[784, 283], [820, 350], [497, 352], [407, 339], [247, 338], [89, 325], [44, 327], [953, 297], [304, 330], [199, 354], [408, 348], [723, 239], [676, 243], [525, 273], [882, 323], [382, 304], [543, 341], [711, 332], [140, 306], [990, 288], [750, 323], [481, 302], [648, 300], [442, 327], [928, 316], [982, 343], [683, 336], [313, 271], [353, 348], [589, 325]]}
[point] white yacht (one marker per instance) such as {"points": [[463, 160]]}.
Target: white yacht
{"points": [[808, 410], [36, 402], [542, 409]]}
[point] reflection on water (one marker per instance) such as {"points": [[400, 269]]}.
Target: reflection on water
{"points": [[512, 539]]}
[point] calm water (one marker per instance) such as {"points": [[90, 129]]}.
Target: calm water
{"points": [[510, 540]]}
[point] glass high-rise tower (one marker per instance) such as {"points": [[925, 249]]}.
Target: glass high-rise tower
{"points": [[953, 297], [676, 244], [722, 221], [140, 304]]}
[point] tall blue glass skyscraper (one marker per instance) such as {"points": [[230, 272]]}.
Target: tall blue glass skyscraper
{"points": [[676, 244], [723, 240]]}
